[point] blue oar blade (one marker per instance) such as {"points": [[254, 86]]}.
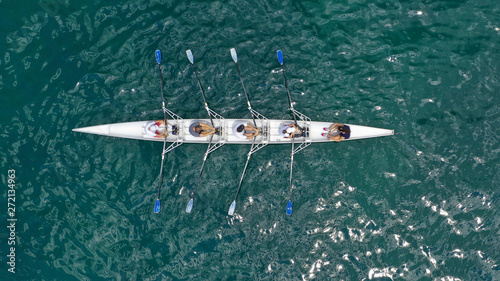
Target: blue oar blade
{"points": [[158, 56], [234, 55], [231, 209], [189, 206], [190, 56], [157, 206], [280, 57], [289, 208]]}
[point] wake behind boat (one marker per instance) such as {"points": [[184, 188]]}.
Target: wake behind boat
{"points": [[217, 131]]}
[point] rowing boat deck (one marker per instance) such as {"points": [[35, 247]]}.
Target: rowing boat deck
{"points": [[270, 128]]}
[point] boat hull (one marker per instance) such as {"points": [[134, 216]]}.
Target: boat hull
{"points": [[270, 128]]}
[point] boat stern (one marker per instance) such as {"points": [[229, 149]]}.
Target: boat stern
{"points": [[129, 130], [96, 130]]}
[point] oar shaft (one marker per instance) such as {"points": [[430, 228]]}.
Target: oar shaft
{"points": [[243, 85], [291, 170], [202, 167], [286, 86], [244, 172], [189, 206], [280, 59], [289, 96], [199, 84], [289, 204], [199, 175], [190, 57], [161, 83], [161, 171], [163, 105], [246, 94], [203, 95]]}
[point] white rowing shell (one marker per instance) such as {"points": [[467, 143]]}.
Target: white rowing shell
{"points": [[271, 129]]}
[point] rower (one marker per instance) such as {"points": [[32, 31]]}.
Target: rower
{"points": [[157, 129], [289, 130], [200, 129], [344, 132], [246, 130]]}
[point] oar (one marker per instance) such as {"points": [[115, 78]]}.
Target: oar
{"points": [[235, 58], [191, 59], [289, 205], [280, 59], [233, 205], [189, 206], [234, 55], [157, 203]]}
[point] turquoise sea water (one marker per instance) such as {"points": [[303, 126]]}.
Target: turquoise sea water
{"points": [[420, 205]]}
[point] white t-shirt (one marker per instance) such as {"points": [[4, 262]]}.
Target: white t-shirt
{"points": [[289, 131], [150, 129], [241, 134]]}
